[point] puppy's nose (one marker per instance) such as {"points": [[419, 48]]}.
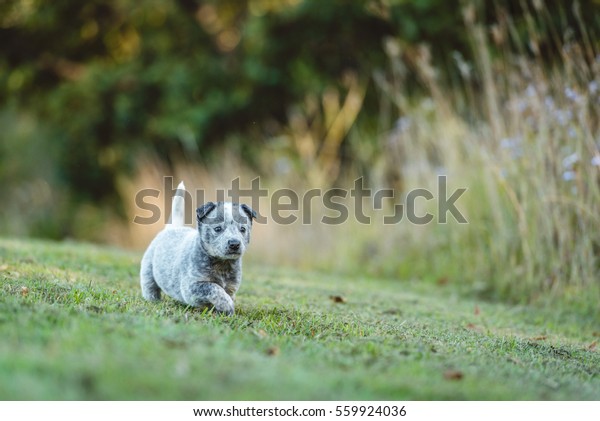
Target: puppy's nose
{"points": [[234, 244]]}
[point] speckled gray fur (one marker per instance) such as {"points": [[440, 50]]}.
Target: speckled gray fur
{"points": [[199, 267]]}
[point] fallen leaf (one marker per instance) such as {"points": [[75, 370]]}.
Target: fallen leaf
{"points": [[592, 346], [3, 268], [337, 299], [596, 334], [472, 326], [273, 351], [261, 333], [393, 312], [540, 338], [477, 311], [453, 375], [442, 281], [24, 291], [515, 360], [174, 343]]}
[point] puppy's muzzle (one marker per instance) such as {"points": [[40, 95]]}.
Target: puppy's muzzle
{"points": [[234, 246]]}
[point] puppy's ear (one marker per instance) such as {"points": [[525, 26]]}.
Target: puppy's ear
{"points": [[204, 210], [248, 211]]}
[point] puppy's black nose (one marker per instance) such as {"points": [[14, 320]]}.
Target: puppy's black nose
{"points": [[234, 244]]}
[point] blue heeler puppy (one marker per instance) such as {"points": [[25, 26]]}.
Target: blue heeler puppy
{"points": [[199, 267]]}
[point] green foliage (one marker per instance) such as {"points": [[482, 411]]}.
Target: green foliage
{"points": [[110, 77]]}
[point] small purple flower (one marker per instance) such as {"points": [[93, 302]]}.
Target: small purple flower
{"points": [[593, 87], [569, 175], [563, 116], [513, 145], [570, 160], [507, 143], [441, 170], [596, 161], [403, 124], [572, 133], [522, 105], [571, 94], [282, 166]]}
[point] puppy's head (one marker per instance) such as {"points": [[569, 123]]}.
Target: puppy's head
{"points": [[224, 228]]}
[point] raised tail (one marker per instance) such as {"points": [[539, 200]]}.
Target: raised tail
{"points": [[178, 207]]}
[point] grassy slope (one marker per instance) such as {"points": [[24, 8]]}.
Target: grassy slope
{"points": [[82, 331]]}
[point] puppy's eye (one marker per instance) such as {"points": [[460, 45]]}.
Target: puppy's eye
{"points": [[218, 229], [242, 229]]}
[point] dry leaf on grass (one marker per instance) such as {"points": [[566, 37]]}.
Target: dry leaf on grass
{"points": [[273, 351], [477, 311], [515, 360], [592, 346], [337, 299], [453, 375], [472, 326], [393, 312], [260, 333], [539, 338], [3, 268], [442, 281], [24, 291]]}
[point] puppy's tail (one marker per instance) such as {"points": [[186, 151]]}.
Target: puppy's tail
{"points": [[178, 207]]}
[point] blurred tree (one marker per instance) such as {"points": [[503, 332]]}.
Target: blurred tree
{"points": [[106, 78]]}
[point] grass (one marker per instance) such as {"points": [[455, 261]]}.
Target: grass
{"points": [[74, 326]]}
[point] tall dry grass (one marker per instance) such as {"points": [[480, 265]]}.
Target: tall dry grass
{"points": [[523, 136]]}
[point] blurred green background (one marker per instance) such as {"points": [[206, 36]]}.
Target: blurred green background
{"points": [[99, 99]]}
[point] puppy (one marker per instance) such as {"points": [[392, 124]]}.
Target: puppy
{"points": [[200, 267]]}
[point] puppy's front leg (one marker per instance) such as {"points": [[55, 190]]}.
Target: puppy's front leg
{"points": [[200, 293]]}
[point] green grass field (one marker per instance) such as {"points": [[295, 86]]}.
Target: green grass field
{"points": [[73, 325]]}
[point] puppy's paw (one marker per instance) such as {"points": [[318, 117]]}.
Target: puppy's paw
{"points": [[151, 295], [225, 306], [227, 310]]}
